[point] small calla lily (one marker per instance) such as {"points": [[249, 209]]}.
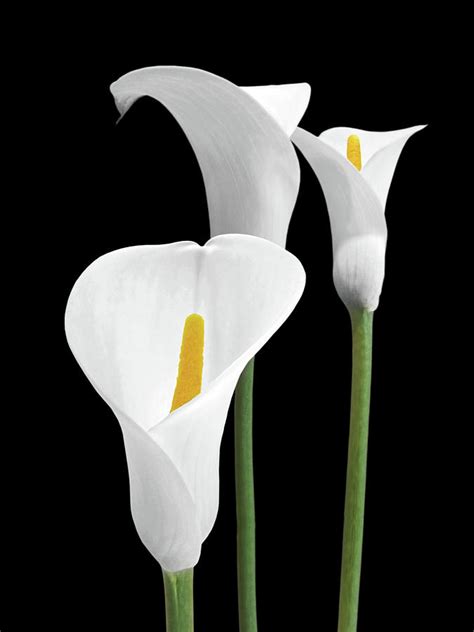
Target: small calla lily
{"points": [[241, 140], [124, 325], [355, 169]]}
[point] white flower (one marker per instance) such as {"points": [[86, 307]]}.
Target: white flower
{"points": [[356, 204], [124, 322], [241, 139]]}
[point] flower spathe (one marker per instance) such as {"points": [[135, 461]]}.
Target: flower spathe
{"points": [[356, 204], [241, 140], [124, 321]]}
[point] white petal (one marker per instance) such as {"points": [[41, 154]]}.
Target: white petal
{"points": [[250, 170], [124, 323], [252, 286], [358, 227], [380, 152], [380, 168], [163, 510], [371, 142], [191, 437], [286, 103]]}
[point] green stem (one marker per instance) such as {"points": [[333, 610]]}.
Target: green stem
{"points": [[356, 470], [179, 600], [245, 501]]}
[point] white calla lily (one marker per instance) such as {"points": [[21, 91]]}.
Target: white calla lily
{"points": [[380, 153], [124, 321], [356, 204], [241, 140]]}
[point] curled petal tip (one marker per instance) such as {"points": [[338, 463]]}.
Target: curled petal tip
{"points": [[250, 170]]}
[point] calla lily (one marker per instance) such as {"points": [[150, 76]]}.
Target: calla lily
{"points": [[124, 321], [241, 139], [355, 169], [356, 203]]}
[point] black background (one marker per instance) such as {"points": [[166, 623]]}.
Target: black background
{"points": [[71, 556]]}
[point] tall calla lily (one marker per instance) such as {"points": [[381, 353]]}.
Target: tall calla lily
{"points": [[355, 169], [241, 140], [251, 174], [356, 195], [124, 322]]}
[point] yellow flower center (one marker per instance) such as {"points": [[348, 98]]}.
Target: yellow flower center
{"points": [[353, 151], [191, 360]]}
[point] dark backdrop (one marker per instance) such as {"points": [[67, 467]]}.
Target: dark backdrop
{"points": [[71, 555]]}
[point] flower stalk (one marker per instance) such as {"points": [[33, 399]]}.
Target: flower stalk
{"points": [[356, 470], [179, 600], [244, 485]]}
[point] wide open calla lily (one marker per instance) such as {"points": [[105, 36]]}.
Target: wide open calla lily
{"points": [[356, 203], [241, 140], [124, 321]]}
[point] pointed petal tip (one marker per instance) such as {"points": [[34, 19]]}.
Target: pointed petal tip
{"points": [[286, 102], [305, 91], [413, 129], [418, 128]]}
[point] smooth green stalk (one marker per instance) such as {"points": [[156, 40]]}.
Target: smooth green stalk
{"points": [[245, 501], [356, 470], [179, 600]]}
